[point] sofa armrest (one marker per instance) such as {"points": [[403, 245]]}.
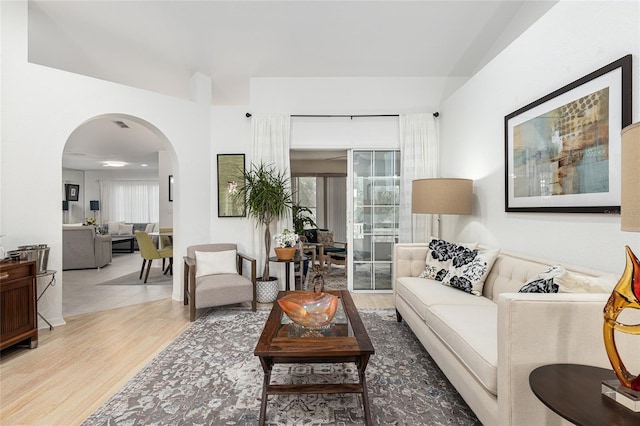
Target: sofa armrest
{"points": [[540, 329], [102, 250]]}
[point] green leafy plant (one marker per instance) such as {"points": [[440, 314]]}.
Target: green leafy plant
{"points": [[302, 219], [268, 198]]}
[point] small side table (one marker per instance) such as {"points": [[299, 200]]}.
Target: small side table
{"points": [[287, 272], [574, 392], [51, 283]]}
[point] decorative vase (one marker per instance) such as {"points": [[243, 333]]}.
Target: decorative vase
{"points": [[626, 294], [285, 253], [267, 291], [310, 310]]}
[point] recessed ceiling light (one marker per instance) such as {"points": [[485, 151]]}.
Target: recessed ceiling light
{"points": [[144, 165], [113, 164]]}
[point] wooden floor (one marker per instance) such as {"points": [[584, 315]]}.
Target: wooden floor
{"points": [[77, 367]]}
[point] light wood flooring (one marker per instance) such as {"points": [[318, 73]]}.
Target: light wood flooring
{"points": [[77, 367]]}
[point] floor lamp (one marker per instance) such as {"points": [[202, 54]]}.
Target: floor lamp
{"points": [[442, 196]]}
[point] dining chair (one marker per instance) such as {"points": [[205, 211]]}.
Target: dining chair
{"points": [[149, 252]]}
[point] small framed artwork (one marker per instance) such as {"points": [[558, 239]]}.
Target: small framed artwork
{"points": [[230, 181], [170, 188], [72, 192], [562, 152]]}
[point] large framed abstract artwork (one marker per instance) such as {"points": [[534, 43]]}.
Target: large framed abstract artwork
{"points": [[230, 181], [562, 152]]}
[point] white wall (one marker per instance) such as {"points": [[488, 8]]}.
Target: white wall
{"points": [[165, 169], [570, 41], [40, 107], [231, 134]]}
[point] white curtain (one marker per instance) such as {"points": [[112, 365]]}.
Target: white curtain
{"points": [[135, 201], [270, 145], [419, 142]]}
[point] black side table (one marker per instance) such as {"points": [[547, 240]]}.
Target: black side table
{"points": [[574, 392], [287, 272]]}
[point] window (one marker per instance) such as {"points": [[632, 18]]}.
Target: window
{"points": [[305, 190], [131, 200]]}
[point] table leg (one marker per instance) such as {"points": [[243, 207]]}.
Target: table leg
{"points": [[266, 367], [362, 365], [287, 274]]}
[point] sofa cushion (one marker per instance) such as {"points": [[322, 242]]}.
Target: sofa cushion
{"points": [[571, 282], [543, 282], [439, 258], [124, 229], [471, 334], [469, 269], [223, 289], [420, 294]]}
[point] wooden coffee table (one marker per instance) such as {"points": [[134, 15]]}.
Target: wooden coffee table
{"points": [[344, 340]]}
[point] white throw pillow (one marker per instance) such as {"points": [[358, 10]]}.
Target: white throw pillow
{"points": [[149, 228], [125, 229], [544, 282], [469, 269], [216, 262], [114, 227], [571, 282], [439, 257]]}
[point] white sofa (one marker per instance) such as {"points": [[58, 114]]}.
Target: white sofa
{"points": [[487, 345]]}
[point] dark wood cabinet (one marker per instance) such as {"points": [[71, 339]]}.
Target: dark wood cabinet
{"points": [[18, 308]]}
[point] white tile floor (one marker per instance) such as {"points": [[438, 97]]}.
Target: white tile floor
{"points": [[82, 294]]}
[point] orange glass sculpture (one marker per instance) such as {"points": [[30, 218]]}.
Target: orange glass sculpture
{"points": [[626, 294], [311, 310]]}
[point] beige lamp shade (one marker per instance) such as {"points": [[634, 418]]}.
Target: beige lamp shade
{"points": [[630, 202], [442, 196]]}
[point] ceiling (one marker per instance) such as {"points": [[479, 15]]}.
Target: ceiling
{"points": [[160, 45]]}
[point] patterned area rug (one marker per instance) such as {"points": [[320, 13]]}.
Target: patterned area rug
{"points": [[209, 376]]}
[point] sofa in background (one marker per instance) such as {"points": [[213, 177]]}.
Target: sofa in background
{"points": [[487, 345], [129, 230], [83, 248]]}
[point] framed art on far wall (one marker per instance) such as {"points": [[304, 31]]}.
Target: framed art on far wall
{"points": [[72, 192], [230, 181], [562, 152]]}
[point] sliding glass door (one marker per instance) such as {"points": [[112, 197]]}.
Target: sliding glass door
{"points": [[376, 192]]}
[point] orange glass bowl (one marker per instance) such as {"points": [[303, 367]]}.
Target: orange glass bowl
{"points": [[311, 310]]}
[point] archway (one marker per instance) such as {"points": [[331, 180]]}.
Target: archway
{"points": [[106, 155]]}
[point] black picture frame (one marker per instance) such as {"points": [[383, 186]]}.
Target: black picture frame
{"points": [[562, 151], [72, 192], [230, 169], [171, 188]]}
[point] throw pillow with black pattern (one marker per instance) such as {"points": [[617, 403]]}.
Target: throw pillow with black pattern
{"points": [[469, 269], [439, 257], [544, 282]]}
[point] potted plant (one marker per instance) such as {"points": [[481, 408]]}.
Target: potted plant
{"points": [[302, 218], [268, 198], [286, 244]]}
